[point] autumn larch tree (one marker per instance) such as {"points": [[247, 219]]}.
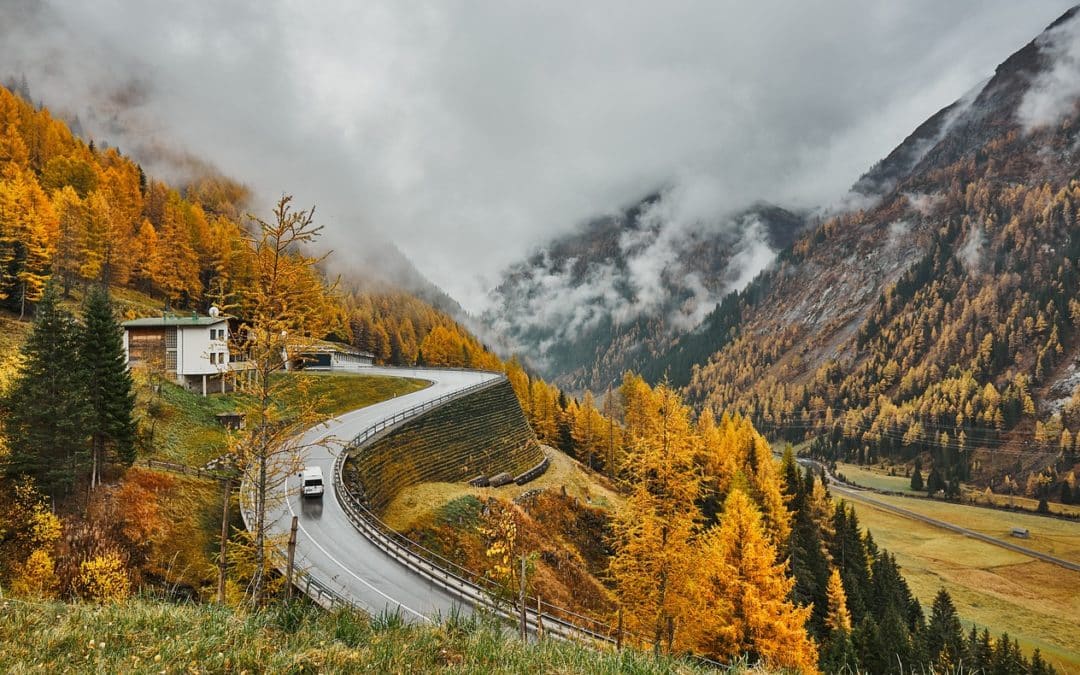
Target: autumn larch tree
{"points": [[283, 314], [745, 593], [654, 555]]}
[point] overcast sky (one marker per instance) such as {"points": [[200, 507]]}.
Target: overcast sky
{"points": [[468, 133]]}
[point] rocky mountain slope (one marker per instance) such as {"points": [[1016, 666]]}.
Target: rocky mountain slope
{"points": [[617, 292], [942, 320]]}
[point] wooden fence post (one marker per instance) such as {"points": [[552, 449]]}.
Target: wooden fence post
{"points": [[618, 631], [539, 620], [521, 599], [224, 540], [292, 555]]}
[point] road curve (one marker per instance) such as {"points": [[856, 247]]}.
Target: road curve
{"points": [[863, 496], [329, 549]]}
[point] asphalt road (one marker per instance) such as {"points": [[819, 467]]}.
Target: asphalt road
{"points": [[865, 496], [328, 547]]}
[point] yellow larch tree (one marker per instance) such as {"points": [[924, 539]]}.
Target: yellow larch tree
{"points": [[654, 552], [744, 593]]}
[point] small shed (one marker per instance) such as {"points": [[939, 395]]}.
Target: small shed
{"points": [[231, 420], [1021, 532]]}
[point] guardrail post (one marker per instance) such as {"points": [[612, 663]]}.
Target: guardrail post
{"points": [[539, 620]]}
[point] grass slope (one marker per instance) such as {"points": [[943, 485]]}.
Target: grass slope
{"points": [[142, 636], [421, 502]]}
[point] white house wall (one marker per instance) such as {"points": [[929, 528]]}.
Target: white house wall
{"points": [[193, 349]]}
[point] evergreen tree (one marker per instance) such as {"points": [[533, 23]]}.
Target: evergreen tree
{"points": [[944, 636], [47, 411], [1066, 495], [109, 386], [849, 555], [916, 477], [934, 482]]}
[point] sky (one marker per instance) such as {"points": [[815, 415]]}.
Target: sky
{"points": [[469, 133]]}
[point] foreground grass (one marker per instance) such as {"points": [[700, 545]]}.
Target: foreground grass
{"points": [[1036, 602], [146, 636]]}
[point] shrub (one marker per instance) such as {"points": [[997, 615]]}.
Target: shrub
{"points": [[103, 578]]}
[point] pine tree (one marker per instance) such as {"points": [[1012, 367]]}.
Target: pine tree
{"points": [[944, 635], [108, 385], [47, 411], [916, 477]]}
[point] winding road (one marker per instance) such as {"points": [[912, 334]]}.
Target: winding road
{"points": [[333, 555]]}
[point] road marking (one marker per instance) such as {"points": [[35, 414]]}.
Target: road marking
{"points": [[342, 566]]}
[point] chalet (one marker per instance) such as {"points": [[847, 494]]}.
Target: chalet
{"points": [[332, 356], [191, 349]]}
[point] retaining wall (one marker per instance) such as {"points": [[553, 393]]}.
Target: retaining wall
{"points": [[484, 432]]}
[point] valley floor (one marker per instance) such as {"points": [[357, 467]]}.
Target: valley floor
{"points": [[1034, 601]]}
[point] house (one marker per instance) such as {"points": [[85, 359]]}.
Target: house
{"points": [[332, 356], [191, 349]]}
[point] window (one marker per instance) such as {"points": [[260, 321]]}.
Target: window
{"points": [[221, 358], [213, 358]]}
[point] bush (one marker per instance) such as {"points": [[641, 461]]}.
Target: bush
{"points": [[104, 578]]}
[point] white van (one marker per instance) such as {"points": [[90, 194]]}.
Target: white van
{"points": [[312, 485]]}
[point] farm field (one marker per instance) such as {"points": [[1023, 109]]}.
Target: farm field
{"points": [[1059, 538], [1036, 602]]}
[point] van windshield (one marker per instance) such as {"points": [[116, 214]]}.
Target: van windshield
{"points": [[312, 481]]}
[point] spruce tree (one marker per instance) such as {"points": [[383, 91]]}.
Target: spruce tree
{"points": [[944, 635], [47, 412], [916, 477], [109, 386]]}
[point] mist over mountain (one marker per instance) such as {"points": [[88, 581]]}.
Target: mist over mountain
{"points": [[592, 304], [941, 317]]}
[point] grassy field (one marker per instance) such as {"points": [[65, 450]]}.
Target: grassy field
{"points": [[1036, 602], [142, 636], [1059, 538], [878, 477], [419, 502], [875, 478]]}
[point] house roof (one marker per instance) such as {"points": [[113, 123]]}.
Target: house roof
{"points": [[178, 320]]}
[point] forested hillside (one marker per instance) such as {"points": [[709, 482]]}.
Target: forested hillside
{"points": [[943, 319]]}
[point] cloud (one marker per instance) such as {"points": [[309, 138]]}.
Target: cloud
{"points": [[971, 251], [1056, 89], [471, 133]]}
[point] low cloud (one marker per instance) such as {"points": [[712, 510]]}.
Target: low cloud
{"points": [[1055, 91], [470, 134]]}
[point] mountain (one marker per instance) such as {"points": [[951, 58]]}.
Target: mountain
{"points": [[592, 304], [942, 320]]}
